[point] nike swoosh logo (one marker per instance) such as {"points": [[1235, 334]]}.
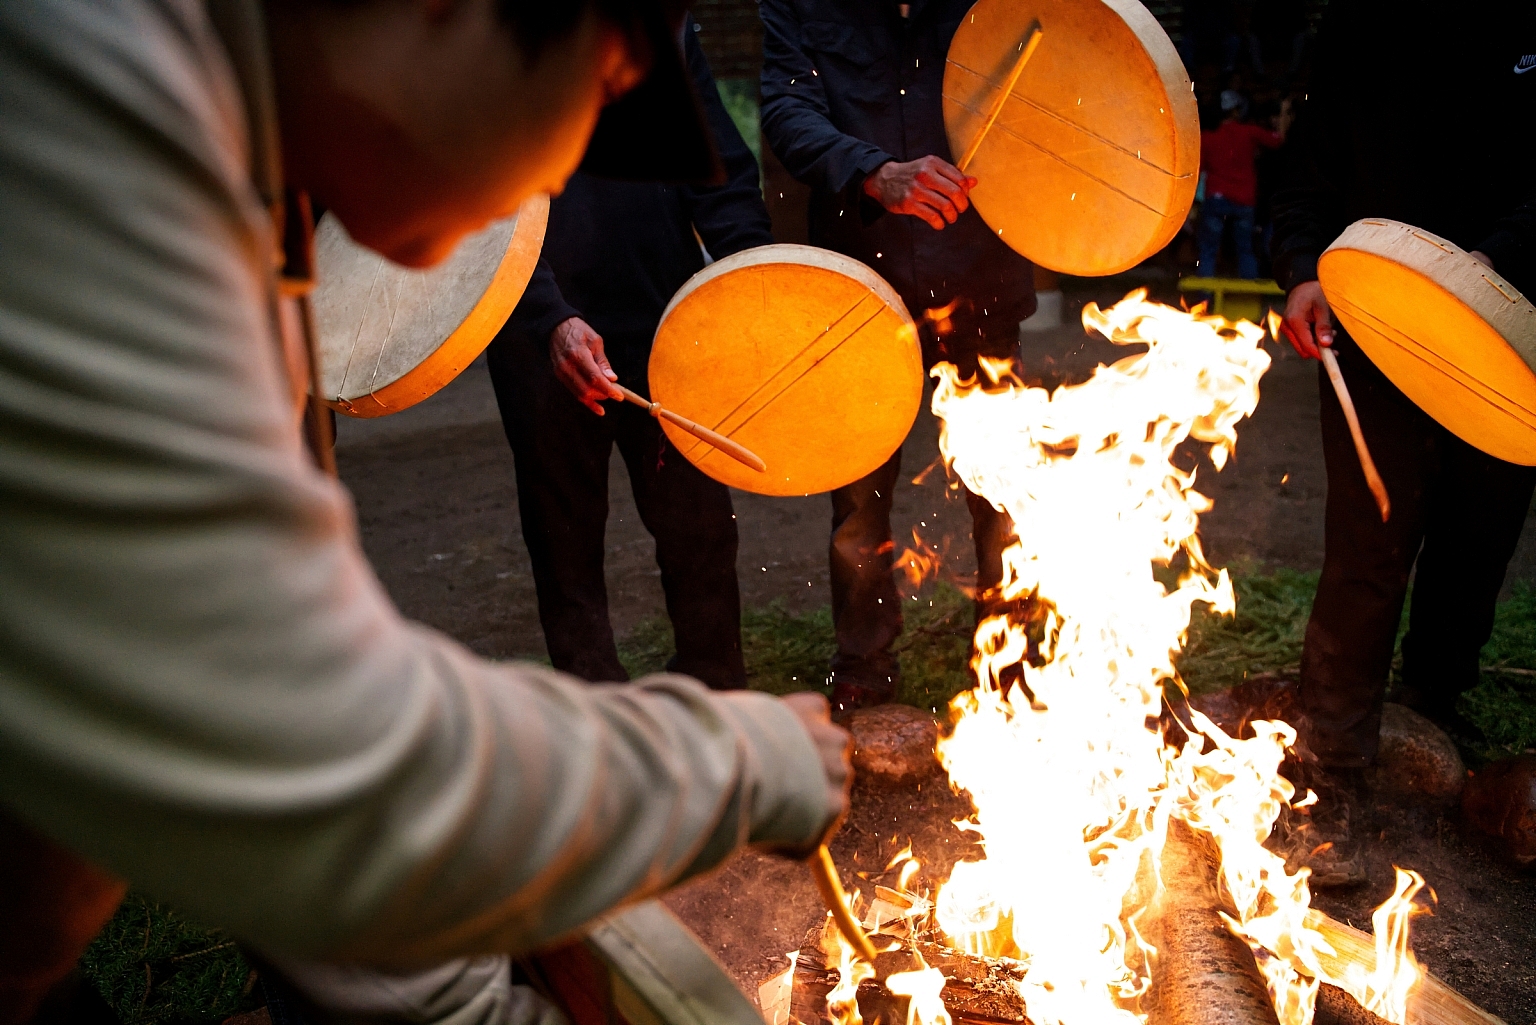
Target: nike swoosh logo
{"points": [[1527, 63]]}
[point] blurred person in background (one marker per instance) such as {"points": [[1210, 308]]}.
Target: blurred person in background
{"points": [[615, 252], [204, 689], [1229, 157]]}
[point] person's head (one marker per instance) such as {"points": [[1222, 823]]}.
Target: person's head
{"points": [[1234, 105], [419, 121]]}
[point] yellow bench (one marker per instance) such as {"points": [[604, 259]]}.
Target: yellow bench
{"points": [[1234, 298]]}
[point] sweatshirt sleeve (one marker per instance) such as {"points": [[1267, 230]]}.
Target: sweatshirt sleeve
{"points": [[731, 216], [203, 687], [796, 118]]}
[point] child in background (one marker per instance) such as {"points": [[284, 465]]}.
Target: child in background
{"points": [[1228, 155]]}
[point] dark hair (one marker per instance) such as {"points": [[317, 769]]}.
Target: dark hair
{"points": [[537, 23]]}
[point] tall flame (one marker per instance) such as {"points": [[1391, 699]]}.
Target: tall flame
{"points": [[1060, 745]]}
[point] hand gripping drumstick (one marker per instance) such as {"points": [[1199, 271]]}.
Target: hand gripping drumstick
{"points": [[737, 452], [832, 895], [1026, 50], [1372, 478]]}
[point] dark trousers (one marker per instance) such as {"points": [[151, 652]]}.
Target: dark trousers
{"points": [[1215, 214], [561, 451], [866, 608], [1456, 512]]}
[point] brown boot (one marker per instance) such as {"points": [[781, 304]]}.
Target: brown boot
{"points": [[1326, 837]]}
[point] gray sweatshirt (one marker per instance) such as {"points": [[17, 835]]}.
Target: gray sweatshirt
{"points": [[203, 687]]}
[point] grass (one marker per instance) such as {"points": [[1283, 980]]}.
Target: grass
{"points": [[156, 968], [740, 98], [151, 965]]}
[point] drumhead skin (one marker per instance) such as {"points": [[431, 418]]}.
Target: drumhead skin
{"points": [[1092, 164], [1458, 339], [806, 357], [389, 336]]}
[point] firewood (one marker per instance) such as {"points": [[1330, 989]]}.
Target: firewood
{"points": [[1203, 974], [1432, 1002], [980, 991]]}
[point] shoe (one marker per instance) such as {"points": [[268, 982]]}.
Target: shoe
{"points": [[1325, 836]]}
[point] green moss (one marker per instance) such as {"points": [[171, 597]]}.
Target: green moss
{"points": [[152, 965]]}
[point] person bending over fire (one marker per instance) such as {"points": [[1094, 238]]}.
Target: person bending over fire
{"points": [[203, 687], [1383, 136], [852, 107]]}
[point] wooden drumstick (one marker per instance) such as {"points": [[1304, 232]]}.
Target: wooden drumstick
{"points": [[832, 895], [1372, 478], [1026, 50], [737, 452]]}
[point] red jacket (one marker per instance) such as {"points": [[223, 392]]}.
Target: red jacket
{"points": [[1227, 155]]}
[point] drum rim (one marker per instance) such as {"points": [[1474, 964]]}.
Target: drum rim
{"points": [[1501, 307], [475, 331]]}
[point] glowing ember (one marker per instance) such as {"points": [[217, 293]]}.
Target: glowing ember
{"points": [[1060, 745]]}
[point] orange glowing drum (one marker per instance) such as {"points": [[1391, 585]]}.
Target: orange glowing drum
{"points": [[1458, 339], [389, 336], [1085, 141], [804, 356]]}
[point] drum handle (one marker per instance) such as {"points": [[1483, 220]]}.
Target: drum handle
{"points": [[740, 453]]}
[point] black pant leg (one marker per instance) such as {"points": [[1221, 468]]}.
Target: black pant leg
{"points": [[1366, 563], [1476, 512], [560, 449], [690, 516], [866, 610]]}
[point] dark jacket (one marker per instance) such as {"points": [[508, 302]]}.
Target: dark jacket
{"points": [[615, 252], [849, 85], [1416, 113]]}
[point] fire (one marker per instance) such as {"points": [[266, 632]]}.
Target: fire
{"points": [[922, 988], [843, 1000], [1060, 745], [1384, 990]]}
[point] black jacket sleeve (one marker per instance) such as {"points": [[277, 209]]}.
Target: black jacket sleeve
{"points": [[731, 216], [542, 307], [796, 118], [1512, 247]]}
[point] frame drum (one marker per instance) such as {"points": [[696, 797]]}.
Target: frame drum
{"points": [[389, 336], [1092, 162], [805, 356], [1454, 336]]}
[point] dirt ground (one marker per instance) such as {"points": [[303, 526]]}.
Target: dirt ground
{"points": [[438, 512]]}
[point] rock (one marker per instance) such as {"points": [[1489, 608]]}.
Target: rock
{"points": [[894, 743], [1500, 800], [1416, 760]]}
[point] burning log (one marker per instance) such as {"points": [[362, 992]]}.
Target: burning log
{"points": [[1203, 975], [1431, 1002], [977, 991]]}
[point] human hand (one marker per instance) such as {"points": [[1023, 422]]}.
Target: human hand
{"points": [[833, 744], [1308, 321], [930, 188], [1482, 258], [577, 353]]}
